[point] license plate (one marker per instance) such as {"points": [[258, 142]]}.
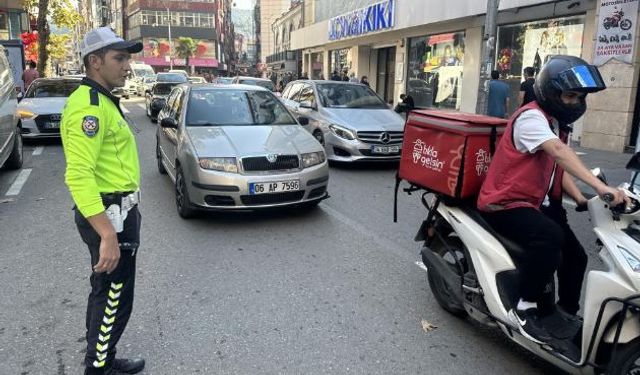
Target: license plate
{"points": [[273, 187], [385, 149], [52, 125]]}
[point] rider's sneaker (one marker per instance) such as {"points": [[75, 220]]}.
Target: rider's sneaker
{"points": [[529, 325]]}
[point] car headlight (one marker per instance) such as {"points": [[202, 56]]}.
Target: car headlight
{"points": [[631, 259], [25, 114], [342, 132], [219, 164], [312, 158]]}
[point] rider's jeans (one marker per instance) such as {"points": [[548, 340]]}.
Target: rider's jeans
{"points": [[573, 263], [540, 236]]}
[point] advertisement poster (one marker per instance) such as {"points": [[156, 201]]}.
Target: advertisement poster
{"points": [[616, 31], [159, 47], [553, 40]]}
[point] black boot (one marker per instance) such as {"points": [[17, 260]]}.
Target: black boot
{"points": [[128, 366]]}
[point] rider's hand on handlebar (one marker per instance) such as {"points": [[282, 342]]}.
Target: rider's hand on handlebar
{"points": [[619, 197]]}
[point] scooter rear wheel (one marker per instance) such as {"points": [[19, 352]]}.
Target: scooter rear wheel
{"points": [[627, 360], [442, 291]]}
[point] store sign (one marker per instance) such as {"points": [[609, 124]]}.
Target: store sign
{"points": [[376, 17], [616, 31]]}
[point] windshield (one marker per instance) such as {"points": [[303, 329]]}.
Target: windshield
{"points": [[334, 95], [253, 82], [162, 88], [171, 77], [236, 107], [225, 80], [143, 72], [52, 89], [149, 79]]}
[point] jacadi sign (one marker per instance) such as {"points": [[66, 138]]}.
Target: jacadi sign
{"points": [[375, 17]]}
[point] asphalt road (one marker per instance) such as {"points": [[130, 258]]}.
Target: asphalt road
{"points": [[334, 290]]}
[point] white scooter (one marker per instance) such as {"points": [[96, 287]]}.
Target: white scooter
{"points": [[471, 272]]}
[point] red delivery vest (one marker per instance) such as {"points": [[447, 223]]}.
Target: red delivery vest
{"points": [[516, 179]]}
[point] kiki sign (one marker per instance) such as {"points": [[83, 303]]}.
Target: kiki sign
{"points": [[362, 21]]}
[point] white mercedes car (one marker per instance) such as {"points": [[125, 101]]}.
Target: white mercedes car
{"points": [[41, 107]]}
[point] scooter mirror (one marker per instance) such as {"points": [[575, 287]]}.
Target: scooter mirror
{"points": [[634, 163], [598, 173]]}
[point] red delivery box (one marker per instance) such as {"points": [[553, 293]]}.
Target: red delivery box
{"points": [[449, 152]]}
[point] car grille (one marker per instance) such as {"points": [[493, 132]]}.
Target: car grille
{"points": [[260, 199], [260, 163], [376, 138], [41, 121], [219, 200]]}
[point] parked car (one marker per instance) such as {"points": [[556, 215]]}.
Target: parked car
{"points": [[41, 107], [196, 79], [349, 119], [224, 80], [236, 147], [122, 92], [262, 82], [10, 135], [156, 98], [145, 85]]}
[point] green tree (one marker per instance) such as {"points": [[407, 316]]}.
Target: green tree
{"points": [[62, 13], [185, 49], [58, 48]]}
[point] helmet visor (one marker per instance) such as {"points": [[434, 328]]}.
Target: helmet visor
{"points": [[581, 78]]}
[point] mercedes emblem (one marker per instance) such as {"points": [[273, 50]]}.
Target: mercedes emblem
{"points": [[385, 137]]}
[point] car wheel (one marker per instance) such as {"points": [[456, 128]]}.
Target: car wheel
{"points": [[161, 167], [183, 204], [319, 136], [16, 157]]}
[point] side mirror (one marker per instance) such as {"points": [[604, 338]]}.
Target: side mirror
{"points": [[598, 173], [303, 120], [307, 105], [634, 163], [169, 123], [19, 95]]}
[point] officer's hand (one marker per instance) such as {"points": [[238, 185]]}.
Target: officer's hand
{"points": [[109, 255]]}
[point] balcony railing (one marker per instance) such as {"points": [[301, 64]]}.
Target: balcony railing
{"points": [[282, 56]]}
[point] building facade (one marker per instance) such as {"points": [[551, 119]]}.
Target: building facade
{"points": [[270, 10], [148, 21], [433, 53], [285, 63]]}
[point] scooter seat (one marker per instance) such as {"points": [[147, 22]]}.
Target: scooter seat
{"points": [[516, 251]]}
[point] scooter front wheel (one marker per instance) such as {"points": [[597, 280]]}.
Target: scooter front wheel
{"points": [[627, 360]]}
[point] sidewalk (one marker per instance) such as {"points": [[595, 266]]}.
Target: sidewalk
{"points": [[612, 164]]}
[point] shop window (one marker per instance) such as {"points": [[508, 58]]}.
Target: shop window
{"points": [[339, 61], [530, 44], [435, 70]]}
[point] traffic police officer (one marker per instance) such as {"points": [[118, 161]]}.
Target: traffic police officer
{"points": [[103, 176]]}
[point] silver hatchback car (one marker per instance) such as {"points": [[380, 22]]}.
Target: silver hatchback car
{"points": [[236, 147], [349, 119]]}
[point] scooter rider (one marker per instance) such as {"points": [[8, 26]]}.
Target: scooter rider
{"points": [[529, 158]]}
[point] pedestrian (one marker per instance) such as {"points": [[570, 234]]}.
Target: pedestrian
{"points": [[498, 105], [365, 80], [406, 105], [321, 78], [345, 76], [335, 76], [353, 78], [103, 177], [527, 95], [30, 74]]}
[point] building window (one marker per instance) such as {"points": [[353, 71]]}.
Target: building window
{"points": [[531, 43], [339, 61], [435, 70], [14, 25]]}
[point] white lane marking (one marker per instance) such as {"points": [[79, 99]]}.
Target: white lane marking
{"points": [[580, 153], [19, 182], [124, 110], [38, 151], [142, 106], [382, 242], [421, 265]]}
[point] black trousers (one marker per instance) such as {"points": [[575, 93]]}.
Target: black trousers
{"points": [[111, 298], [573, 264], [543, 240]]}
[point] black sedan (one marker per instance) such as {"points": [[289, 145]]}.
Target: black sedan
{"points": [[157, 96]]}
